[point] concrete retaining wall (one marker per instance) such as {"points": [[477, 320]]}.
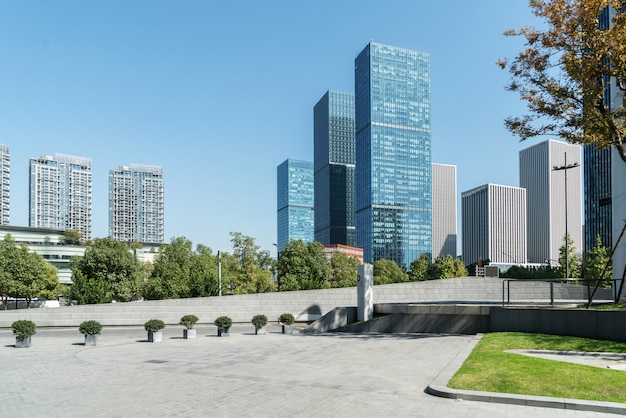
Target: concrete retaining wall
{"points": [[304, 305], [599, 325]]}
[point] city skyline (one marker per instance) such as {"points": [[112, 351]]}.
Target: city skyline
{"points": [[187, 99]]}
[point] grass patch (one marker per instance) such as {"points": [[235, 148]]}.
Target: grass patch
{"points": [[489, 368], [609, 307]]}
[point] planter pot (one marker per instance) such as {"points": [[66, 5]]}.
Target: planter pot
{"points": [[260, 331], [155, 337], [189, 333], [222, 332], [287, 329], [91, 339], [22, 342]]}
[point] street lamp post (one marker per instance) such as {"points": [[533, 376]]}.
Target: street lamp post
{"points": [[277, 262], [566, 167], [219, 272]]}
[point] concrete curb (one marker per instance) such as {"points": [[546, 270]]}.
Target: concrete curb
{"points": [[439, 387]]}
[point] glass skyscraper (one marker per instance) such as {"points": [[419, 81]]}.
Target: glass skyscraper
{"points": [[295, 201], [136, 204], [61, 194], [334, 160], [597, 176], [393, 154]]}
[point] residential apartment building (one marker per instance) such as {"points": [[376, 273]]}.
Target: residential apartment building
{"points": [[137, 204], [546, 198], [334, 161], [444, 210], [5, 169], [494, 224], [61, 193], [295, 214], [393, 154]]}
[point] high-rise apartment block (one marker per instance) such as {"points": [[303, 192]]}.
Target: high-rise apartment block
{"points": [[494, 224], [393, 154], [136, 204], [334, 162], [444, 210], [546, 198], [5, 168], [61, 193], [295, 213]]}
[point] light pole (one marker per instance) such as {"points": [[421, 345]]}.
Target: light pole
{"points": [[277, 261], [566, 167], [219, 272]]}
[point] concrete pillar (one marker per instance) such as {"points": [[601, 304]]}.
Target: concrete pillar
{"points": [[365, 292]]}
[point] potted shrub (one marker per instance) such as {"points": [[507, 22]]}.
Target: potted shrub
{"points": [[154, 327], [259, 322], [223, 324], [90, 329], [188, 321], [23, 330], [286, 320]]}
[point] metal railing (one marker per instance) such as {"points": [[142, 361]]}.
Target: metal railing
{"points": [[588, 283]]}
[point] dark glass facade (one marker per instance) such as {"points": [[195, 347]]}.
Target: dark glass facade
{"points": [[597, 180], [334, 160], [295, 201], [393, 154]]}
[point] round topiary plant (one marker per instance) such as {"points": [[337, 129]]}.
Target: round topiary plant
{"points": [[188, 321], [154, 325], [259, 321], [90, 327], [223, 322], [23, 328], [286, 319]]}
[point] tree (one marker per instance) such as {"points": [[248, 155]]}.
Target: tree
{"points": [[70, 237], [23, 274], [107, 271], [419, 268], [447, 267], [203, 280], [250, 273], [343, 270], [565, 71], [387, 271], [303, 266], [171, 271], [573, 259], [595, 260]]}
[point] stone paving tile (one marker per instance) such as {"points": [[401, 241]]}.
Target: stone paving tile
{"points": [[243, 375]]}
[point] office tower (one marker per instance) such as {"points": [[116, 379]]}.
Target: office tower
{"points": [[545, 198], [5, 166], [393, 154], [295, 201], [444, 210], [137, 204], [333, 123], [597, 168], [494, 224], [60, 193]]}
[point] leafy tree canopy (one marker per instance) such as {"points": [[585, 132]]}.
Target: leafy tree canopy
{"points": [[566, 69], [387, 271]]}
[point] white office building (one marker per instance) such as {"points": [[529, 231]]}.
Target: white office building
{"points": [[5, 169], [137, 204], [542, 173], [444, 210], [61, 194], [494, 224]]}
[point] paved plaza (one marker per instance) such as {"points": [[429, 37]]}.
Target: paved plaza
{"points": [[244, 375]]}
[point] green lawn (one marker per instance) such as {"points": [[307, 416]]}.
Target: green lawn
{"points": [[489, 368]]}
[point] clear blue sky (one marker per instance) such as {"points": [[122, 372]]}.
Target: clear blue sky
{"points": [[220, 93]]}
